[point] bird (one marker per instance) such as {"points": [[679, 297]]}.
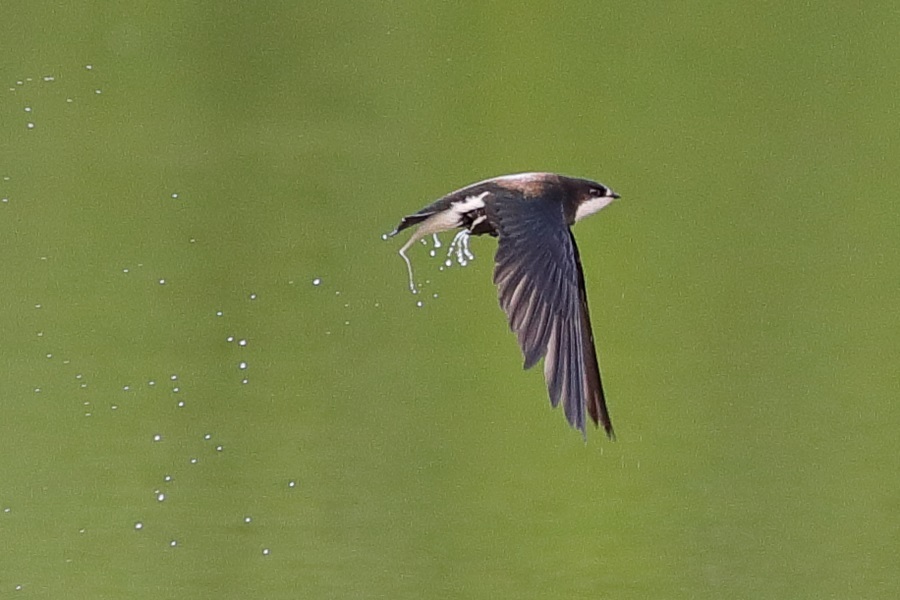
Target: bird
{"points": [[538, 273]]}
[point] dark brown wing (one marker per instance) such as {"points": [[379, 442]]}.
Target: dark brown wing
{"points": [[541, 286]]}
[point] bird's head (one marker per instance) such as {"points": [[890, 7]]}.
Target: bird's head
{"points": [[591, 197]]}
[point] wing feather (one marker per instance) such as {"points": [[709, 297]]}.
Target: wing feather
{"points": [[541, 289]]}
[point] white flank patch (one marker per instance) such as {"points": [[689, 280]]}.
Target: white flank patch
{"points": [[469, 204], [443, 221], [589, 207]]}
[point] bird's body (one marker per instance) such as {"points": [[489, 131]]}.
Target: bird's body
{"points": [[538, 273]]}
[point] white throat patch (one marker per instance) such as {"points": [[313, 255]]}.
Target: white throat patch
{"points": [[586, 209]]}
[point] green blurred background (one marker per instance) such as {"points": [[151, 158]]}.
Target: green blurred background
{"points": [[185, 414]]}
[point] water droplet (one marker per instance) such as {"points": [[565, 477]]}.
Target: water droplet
{"points": [[265, 551], [317, 281], [242, 343], [160, 497], [138, 525], [242, 365]]}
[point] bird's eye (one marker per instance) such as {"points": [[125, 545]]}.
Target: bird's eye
{"points": [[598, 192]]}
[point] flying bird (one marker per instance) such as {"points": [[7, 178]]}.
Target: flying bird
{"points": [[537, 271]]}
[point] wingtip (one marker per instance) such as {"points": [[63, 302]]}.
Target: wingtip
{"points": [[607, 429]]}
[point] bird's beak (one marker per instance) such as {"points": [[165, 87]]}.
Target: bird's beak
{"points": [[614, 195]]}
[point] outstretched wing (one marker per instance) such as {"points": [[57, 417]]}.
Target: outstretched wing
{"points": [[541, 286]]}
